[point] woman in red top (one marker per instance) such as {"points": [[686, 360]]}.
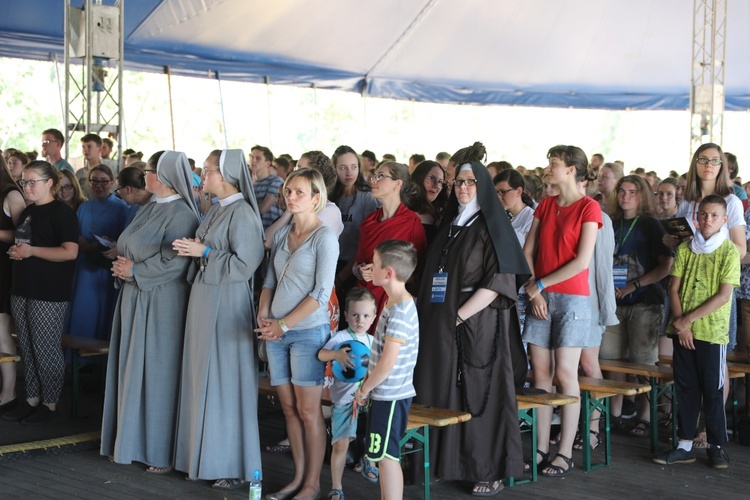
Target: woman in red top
{"points": [[558, 248], [391, 184]]}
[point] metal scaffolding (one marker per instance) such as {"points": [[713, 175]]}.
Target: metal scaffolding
{"points": [[707, 88], [94, 45]]}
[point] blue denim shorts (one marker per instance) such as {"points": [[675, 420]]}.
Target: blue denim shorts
{"points": [[568, 322], [294, 357], [342, 424]]}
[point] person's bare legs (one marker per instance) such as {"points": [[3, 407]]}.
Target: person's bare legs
{"points": [[541, 367], [391, 480], [338, 462], [295, 431], [314, 431], [591, 368], [566, 370], [7, 370]]}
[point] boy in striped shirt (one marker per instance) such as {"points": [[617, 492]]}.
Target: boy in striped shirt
{"points": [[391, 368]]}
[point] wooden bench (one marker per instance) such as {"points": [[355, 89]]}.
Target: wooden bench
{"points": [[527, 405], [82, 347], [661, 379], [9, 358], [595, 396], [421, 418]]}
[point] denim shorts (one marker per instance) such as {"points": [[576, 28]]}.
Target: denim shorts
{"points": [[294, 357], [568, 322]]}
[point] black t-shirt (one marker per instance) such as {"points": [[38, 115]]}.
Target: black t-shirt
{"points": [[50, 226], [640, 251]]}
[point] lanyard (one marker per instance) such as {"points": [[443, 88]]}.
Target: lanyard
{"points": [[622, 240], [451, 240]]}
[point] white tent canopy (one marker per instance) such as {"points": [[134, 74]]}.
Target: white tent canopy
{"points": [[612, 54]]}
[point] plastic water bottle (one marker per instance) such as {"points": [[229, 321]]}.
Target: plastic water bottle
{"points": [[255, 486]]}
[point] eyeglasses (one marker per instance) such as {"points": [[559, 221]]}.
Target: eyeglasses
{"points": [[380, 176], [503, 192], [434, 180], [47, 141], [69, 187], [466, 182], [99, 182], [713, 161], [31, 184], [149, 170]]}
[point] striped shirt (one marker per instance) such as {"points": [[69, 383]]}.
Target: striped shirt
{"points": [[398, 323]]}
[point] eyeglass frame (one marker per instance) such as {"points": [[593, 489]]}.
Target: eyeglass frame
{"points": [[380, 176], [503, 192], [99, 182], [465, 182], [705, 161], [31, 183]]}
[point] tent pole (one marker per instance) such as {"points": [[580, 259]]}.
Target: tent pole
{"points": [[268, 108], [60, 93], [171, 110], [223, 118], [315, 105]]}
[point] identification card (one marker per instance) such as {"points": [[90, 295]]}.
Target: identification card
{"points": [[620, 275], [439, 286]]}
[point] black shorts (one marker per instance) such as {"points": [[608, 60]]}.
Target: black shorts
{"points": [[386, 425]]}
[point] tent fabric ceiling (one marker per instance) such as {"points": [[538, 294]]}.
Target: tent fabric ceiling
{"points": [[618, 54]]}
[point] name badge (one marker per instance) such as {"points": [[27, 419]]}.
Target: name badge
{"points": [[620, 275], [439, 286]]}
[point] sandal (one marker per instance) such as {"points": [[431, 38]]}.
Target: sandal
{"points": [[339, 493], [159, 470], [369, 472], [540, 464], [227, 484], [578, 443], [491, 489], [279, 448], [557, 470], [640, 429]]}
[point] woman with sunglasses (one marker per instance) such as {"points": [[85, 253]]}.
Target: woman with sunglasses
{"points": [[13, 204], [101, 220], [145, 356], [429, 195], [391, 184], [46, 245], [70, 191]]}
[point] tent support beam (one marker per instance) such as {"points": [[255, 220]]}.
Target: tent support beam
{"points": [[708, 66]]}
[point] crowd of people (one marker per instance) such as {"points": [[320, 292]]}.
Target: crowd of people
{"points": [[459, 276]]}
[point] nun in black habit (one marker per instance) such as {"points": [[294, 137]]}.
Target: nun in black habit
{"points": [[471, 357]]}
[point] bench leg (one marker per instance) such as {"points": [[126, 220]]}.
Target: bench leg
{"points": [[586, 412], [527, 416], [653, 427], [74, 404], [422, 437]]}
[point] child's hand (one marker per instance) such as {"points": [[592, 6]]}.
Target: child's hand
{"points": [[686, 338], [539, 307], [360, 397], [681, 324], [343, 357], [365, 271]]}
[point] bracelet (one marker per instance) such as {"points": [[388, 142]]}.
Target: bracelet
{"points": [[540, 285], [205, 252], [283, 326], [636, 284], [460, 319]]}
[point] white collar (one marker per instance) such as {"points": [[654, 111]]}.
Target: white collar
{"points": [[700, 245], [467, 211], [167, 199], [231, 199]]}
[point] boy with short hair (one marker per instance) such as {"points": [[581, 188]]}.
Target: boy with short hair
{"points": [[705, 271], [360, 313], [392, 360]]}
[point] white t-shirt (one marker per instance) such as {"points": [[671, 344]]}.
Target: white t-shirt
{"points": [[735, 213], [341, 392], [522, 223]]}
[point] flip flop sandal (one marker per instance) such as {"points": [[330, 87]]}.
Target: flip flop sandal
{"points": [[227, 484], [279, 448], [333, 493], [578, 443], [159, 470], [640, 429], [369, 469], [493, 488], [557, 470], [542, 464]]}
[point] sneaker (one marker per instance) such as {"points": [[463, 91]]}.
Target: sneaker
{"points": [[717, 457], [21, 411], [676, 456], [629, 410], [42, 415]]}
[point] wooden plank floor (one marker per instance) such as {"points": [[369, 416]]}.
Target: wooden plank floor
{"points": [[85, 474]]}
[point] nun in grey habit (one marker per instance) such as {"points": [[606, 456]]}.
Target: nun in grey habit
{"points": [[217, 421], [145, 354]]}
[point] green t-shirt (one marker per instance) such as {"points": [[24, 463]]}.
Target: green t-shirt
{"points": [[701, 276]]}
